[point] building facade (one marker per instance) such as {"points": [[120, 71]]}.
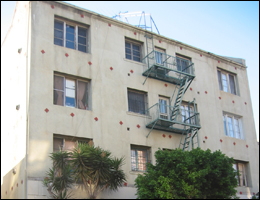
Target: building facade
{"points": [[73, 75]]}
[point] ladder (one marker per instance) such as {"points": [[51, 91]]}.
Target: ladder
{"points": [[189, 139]]}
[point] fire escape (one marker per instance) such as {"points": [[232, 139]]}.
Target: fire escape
{"points": [[172, 118]]}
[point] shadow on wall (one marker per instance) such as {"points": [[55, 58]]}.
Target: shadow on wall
{"points": [[14, 182]]}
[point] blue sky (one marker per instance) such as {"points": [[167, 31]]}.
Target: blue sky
{"points": [[227, 28]]}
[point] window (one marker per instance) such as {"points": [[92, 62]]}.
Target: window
{"points": [[183, 63], [187, 113], [66, 143], [71, 92], [133, 50], [140, 155], [160, 56], [227, 82], [164, 107], [232, 126], [137, 101], [70, 35], [242, 178]]}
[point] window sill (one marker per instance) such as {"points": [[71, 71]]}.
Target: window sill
{"points": [[138, 114], [234, 138], [229, 93], [73, 49], [136, 172], [135, 62]]}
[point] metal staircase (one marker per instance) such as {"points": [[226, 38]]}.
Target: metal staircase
{"points": [[170, 71]]}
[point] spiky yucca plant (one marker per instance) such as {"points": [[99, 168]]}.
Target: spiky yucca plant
{"points": [[96, 170], [59, 177]]}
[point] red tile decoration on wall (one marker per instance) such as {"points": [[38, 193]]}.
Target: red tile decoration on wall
{"points": [[189, 134], [52, 6], [206, 137], [220, 140], [120, 122], [21, 181], [66, 54], [234, 143], [200, 55], [233, 101], [235, 68], [138, 126], [109, 25], [165, 85], [90, 63], [42, 51], [181, 48], [253, 193], [17, 184], [245, 103], [160, 41], [170, 136], [82, 15], [240, 192], [125, 183], [206, 92], [246, 146], [131, 71], [12, 188], [96, 118], [46, 110], [72, 114], [219, 97], [111, 68], [218, 61], [163, 135], [135, 33], [5, 192], [191, 89]]}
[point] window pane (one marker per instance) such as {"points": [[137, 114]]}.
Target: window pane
{"points": [[58, 42], [225, 127], [224, 82], [141, 160], [128, 45], [232, 84], [70, 45], [70, 37], [163, 106], [58, 97], [69, 145], [136, 58], [57, 144], [136, 53], [133, 160], [58, 25], [70, 93], [237, 130], [230, 127], [70, 29], [82, 40], [82, 95], [135, 47], [128, 56], [58, 82], [136, 102], [58, 34], [219, 81], [82, 32], [82, 48]]}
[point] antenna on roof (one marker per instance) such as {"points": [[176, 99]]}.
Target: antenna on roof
{"points": [[146, 23]]}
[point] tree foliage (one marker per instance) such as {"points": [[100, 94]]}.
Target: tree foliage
{"points": [[59, 177], [96, 169], [190, 174]]}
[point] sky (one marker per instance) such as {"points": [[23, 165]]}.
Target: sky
{"points": [[226, 28]]}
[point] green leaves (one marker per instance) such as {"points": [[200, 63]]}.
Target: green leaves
{"points": [[190, 174]]}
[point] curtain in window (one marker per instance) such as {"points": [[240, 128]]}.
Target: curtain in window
{"points": [[82, 95], [163, 106], [242, 177], [69, 145], [57, 144], [232, 84], [225, 126], [230, 127], [141, 160], [237, 129], [219, 81], [58, 93], [136, 102]]}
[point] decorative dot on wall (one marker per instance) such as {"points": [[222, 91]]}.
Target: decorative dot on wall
{"points": [[132, 71], [72, 114], [125, 183], [200, 55], [233, 101], [180, 48], [163, 135], [42, 51], [135, 33], [138, 126], [82, 15], [170, 136], [206, 92], [221, 140], [160, 41], [245, 103], [218, 61], [96, 118], [191, 89], [52, 6], [109, 25], [46, 110], [206, 137], [240, 192], [66, 54], [90, 63], [246, 146], [120, 122], [165, 85], [234, 143], [111, 68]]}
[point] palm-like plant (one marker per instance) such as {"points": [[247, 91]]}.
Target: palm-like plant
{"points": [[95, 169], [59, 177]]}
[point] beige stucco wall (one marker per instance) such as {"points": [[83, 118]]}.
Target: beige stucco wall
{"points": [[109, 98], [14, 92]]}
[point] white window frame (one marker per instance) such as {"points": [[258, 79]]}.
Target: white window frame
{"points": [[184, 108], [226, 128], [76, 26], [136, 44], [186, 59], [164, 115], [160, 56], [136, 149], [227, 74], [242, 178], [76, 90]]}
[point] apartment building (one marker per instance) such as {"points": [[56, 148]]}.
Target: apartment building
{"points": [[73, 75]]}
